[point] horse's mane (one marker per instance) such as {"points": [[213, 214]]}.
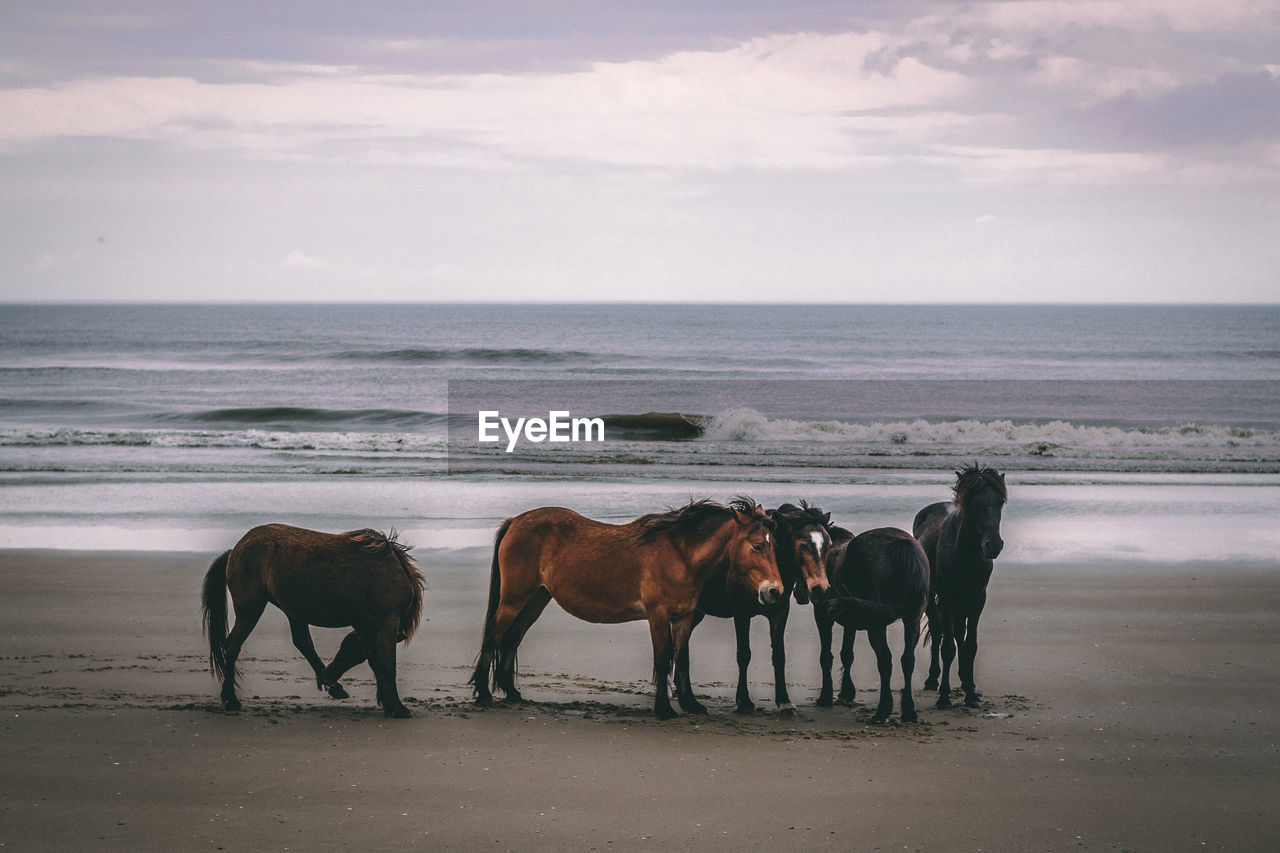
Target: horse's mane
{"points": [[689, 519], [971, 478], [379, 543], [799, 516]]}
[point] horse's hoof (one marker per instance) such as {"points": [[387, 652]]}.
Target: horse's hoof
{"points": [[664, 713], [398, 713], [232, 704], [973, 702], [824, 702], [484, 701], [910, 717], [848, 697], [788, 712], [943, 703], [337, 691], [879, 719], [696, 708], [745, 708], [513, 697]]}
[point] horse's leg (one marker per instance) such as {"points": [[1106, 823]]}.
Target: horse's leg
{"points": [[777, 630], [968, 652], [884, 663], [681, 629], [847, 692], [301, 633], [505, 670], [510, 606], [935, 642], [350, 654], [247, 615], [949, 632], [380, 641], [742, 632], [663, 655], [910, 636], [825, 658]]}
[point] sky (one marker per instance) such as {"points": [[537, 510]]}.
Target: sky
{"points": [[1020, 151]]}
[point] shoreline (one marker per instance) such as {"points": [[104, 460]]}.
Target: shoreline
{"points": [[1128, 708]]}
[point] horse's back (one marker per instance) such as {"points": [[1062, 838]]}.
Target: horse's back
{"points": [[326, 579], [887, 563], [928, 524], [591, 568]]}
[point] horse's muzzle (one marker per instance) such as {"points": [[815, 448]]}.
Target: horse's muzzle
{"points": [[991, 548], [770, 594], [817, 593]]}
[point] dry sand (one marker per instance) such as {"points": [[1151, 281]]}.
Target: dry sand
{"points": [[1129, 708]]}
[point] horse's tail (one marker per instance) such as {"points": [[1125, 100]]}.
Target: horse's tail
{"points": [[491, 611], [213, 608], [911, 567], [858, 613]]}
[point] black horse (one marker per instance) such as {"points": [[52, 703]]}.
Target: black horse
{"points": [[962, 538], [877, 578], [801, 551]]}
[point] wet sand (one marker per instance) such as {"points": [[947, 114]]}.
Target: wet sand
{"points": [[1129, 707]]}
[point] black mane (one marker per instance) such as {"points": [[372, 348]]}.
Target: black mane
{"points": [[690, 518], [971, 478]]}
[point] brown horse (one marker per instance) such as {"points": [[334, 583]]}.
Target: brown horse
{"points": [[652, 568], [962, 539], [360, 579]]}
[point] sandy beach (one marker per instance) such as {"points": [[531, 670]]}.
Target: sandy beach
{"points": [[1129, 707]]}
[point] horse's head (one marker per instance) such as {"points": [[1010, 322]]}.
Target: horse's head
{"points": [[980, 496], [752, 561], [803, 543]]}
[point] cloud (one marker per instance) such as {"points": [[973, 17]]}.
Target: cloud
{"points": [[299, 261], [987, 92], [1232, 109]]}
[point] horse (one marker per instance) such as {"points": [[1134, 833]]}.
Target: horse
{"points": [[801, 550], [962, 539], [877, 578], [362, 579], [652, 568]]}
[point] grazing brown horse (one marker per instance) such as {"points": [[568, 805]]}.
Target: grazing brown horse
{"points": [[962, 539], [360, 579], [877, 578], [802, 543], [652, 568]]}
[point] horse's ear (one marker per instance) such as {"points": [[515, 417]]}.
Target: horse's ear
{"points": [[826, 519]]}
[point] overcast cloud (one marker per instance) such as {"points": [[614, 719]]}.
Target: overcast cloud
{"points": [[1011, 151]]}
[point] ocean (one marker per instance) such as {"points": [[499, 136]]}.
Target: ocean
{"points": [[1126, 432]]}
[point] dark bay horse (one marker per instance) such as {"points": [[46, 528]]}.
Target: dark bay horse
{"points": [[362, 579], [877, 578], [962, 539], [653, 568], [801, 551]]}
